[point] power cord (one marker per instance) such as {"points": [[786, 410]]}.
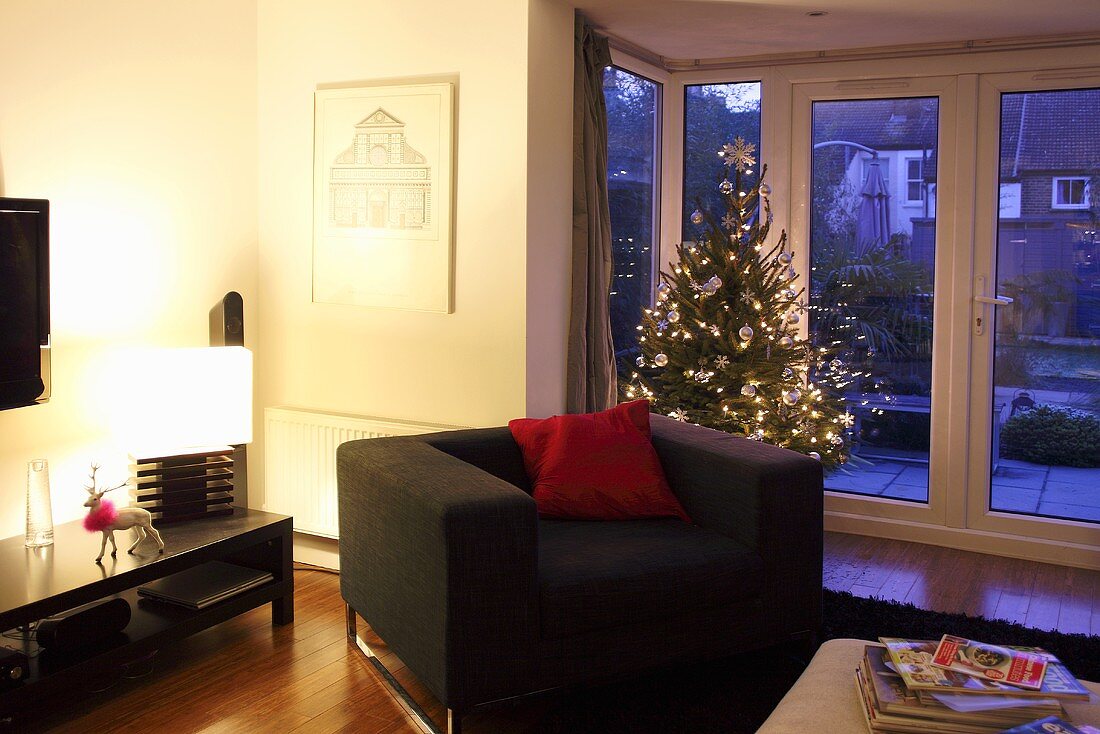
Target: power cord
{"points": [[299, 566]]}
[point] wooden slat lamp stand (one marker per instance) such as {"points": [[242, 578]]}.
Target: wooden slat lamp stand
{"points": [[184, 486]]}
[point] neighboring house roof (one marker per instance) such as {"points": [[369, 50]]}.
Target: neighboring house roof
{"points": [[881, 124], [1059, 133]]}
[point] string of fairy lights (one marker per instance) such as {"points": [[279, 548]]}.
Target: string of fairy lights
{"points": [[721, 346]]}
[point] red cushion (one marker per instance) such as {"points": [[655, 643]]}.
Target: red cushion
{"points": [[596, 466]]}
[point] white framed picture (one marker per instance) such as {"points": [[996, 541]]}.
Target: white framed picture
{"points": [[382, 188]]}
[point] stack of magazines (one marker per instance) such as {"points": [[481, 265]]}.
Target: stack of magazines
{"points": [[960, 686]]}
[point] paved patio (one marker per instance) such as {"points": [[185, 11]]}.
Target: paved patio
{"points": [[1018, 486]]}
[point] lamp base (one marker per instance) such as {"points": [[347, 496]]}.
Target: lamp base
{"points": [[192, 484]]}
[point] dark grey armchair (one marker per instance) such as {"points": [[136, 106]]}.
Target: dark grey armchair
{"points": [[443, 554]]}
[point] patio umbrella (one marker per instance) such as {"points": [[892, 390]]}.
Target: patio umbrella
{"points": [[873, 222]]}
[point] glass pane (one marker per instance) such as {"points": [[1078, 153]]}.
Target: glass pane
{"points": [[872, 249], [1046, 369], [715, 114], [631, 144]]}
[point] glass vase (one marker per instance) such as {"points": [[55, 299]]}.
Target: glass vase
{"points": [[39, 512]]}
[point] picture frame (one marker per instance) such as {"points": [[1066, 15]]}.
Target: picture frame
{"points": [[383, 196]]}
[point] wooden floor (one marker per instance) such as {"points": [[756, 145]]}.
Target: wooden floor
{"points": [[246, 676], [1038, 595]]}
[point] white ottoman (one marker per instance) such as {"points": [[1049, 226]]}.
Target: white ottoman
{"points": [[824, 699]]}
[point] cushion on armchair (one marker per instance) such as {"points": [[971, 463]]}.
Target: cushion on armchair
{"points": [[596, 466]]}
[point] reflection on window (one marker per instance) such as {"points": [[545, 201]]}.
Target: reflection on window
{"points": [[632, 117], [715, 114]]}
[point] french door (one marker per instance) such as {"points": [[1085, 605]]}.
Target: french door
{"points": [[1034, 463], [872, 236], [920, 208]]}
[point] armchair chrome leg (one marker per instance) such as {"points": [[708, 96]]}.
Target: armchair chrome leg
{"points": [[454, 722], [412, 709]]}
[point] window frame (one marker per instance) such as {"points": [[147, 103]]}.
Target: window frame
{"points": [[1059, 206], [919, 180], [660, 79]]}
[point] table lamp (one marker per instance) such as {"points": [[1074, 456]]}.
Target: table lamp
{"points": [[187, 409]]}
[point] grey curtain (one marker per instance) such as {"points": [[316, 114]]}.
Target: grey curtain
{"points": [[590, 368]]}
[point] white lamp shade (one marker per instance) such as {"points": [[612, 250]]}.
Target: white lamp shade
{"points": [[187, 398]]}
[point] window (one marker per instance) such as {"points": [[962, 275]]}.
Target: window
{"points": [[714, 114], [914, 180], [632, 163], [871, 276], [1069, 192]]}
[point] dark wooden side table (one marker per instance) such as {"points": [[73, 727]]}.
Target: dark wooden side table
{"points": [[39, 582]]}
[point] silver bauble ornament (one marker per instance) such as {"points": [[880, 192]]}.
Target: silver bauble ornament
{"points": [[748, 390], [660, 359], [663, 288], [785, 258], [673, 316], [725, 187], [792, 318], [786, 342], [792, 397], [640, 361], [815, 455], [787, 373], [745, 332], [697, 217], [765, 190]]}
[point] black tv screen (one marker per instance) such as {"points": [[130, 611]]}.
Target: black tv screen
{"points": [[24, 302]]}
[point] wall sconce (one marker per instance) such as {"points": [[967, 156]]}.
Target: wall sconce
{"points": [[187, 409]]}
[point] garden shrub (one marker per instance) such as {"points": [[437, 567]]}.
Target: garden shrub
{"points": [[1052, 435]]}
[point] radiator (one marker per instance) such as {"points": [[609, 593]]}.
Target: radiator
{"points": [[300, 461]]}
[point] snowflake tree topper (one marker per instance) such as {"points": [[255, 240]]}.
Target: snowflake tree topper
{"points": [[739, 155]]}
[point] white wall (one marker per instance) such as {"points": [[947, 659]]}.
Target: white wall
{"points": [[137, 121], [502, 349], [175, 142], [549, 202]]}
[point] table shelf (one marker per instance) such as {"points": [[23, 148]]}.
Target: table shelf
{"points": [[248, 538]]}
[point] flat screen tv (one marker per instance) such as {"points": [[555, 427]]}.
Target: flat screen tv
{"points": [[24, 302]]}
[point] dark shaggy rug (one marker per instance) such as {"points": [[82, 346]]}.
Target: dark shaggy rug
{"points": [[735, 695]]}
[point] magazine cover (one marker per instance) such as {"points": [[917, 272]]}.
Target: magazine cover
{"points": [[1053, 725], [913, 661], [991, 662]]}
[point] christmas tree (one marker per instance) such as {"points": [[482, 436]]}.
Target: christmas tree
{"points": [[721, 347]]}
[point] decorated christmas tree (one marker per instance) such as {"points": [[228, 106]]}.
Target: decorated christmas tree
{"points": [[721, 347]]}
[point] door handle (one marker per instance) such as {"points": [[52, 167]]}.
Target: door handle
{"points": [[994, 300], [979, 316]]}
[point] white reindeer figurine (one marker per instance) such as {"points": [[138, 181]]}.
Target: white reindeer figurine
{"points": [[104, 517]]}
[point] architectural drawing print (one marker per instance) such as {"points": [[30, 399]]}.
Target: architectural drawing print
{"points": [[383, 196], [380, 181]]}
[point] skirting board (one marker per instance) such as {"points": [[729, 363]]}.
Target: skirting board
{"points": [[317, 551], [978, 541]]}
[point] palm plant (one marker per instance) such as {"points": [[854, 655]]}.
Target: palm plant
{"points": [[874, 303]]}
